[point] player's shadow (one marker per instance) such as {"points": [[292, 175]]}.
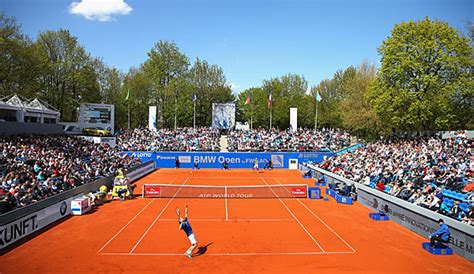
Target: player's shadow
{"points": [[202, 250]]}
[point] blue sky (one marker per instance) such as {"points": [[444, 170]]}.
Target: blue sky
{"points": [[250, 40]]}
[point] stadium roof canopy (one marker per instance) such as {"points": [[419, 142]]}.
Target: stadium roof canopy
{"points": [[15, 102]]}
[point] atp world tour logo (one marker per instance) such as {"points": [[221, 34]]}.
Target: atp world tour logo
{"points": [[278, 160]]}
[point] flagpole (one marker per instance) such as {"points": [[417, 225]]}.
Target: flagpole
{"points": [[194, 114], [175, 107], [128, 103], [271, 107], [251, 111], [128, 114], [316, 117]]}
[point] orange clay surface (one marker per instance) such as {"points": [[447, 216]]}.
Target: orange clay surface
{"points": [[252, 236]]}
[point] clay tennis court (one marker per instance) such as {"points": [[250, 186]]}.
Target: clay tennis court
{"points": [[282, 235]]}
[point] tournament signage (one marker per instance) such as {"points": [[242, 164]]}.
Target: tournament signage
{"points": [[298, 192], [27, 225], [233, 159], [152, 191], [140, 171]]}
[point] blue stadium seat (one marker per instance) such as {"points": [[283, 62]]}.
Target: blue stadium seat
{"points": [[464, 207]]}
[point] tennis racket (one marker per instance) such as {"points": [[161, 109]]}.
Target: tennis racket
{"points": [[178, 212]]}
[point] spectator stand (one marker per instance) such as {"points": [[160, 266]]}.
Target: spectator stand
{"points": [[418, 219], [48, 211]]}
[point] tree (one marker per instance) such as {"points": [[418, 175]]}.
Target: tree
{"points": [[211, 86], [255, 113], [18, 64], [356, 111], [67, 77], [425, 78], [332, 92], [165, 64], [288, 91]]}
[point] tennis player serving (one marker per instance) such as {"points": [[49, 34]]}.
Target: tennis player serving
{"points": [[186, 227]]}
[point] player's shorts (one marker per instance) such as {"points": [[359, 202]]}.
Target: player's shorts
{"points": [[192, 239]]}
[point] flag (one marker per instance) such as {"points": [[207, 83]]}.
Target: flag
{"points": [[128, 94], [194, 96], [248, 101], [269, 101], [318, 97]]}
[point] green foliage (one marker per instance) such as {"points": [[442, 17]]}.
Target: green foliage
{"points": [[356, 111], [164, 66], [287, 91], [210, 85], [425, 82], [18, 63]]}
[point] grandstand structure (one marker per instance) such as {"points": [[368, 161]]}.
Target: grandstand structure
{"points": [[22, 116]]}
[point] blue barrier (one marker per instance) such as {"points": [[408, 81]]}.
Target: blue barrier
{"points": [[378, 217], [314, 192], [234, 159], [437, 251], [319, 184], [343, 199], [330, 192]]}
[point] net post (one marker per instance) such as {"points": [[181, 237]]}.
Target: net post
{"points": [[143, 191], [307, 192]]}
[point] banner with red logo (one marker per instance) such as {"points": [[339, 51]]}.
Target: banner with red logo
{"points": [[299, 192], [152, 191]]}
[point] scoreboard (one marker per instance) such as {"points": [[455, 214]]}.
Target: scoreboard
{"points": [[97, 115]]}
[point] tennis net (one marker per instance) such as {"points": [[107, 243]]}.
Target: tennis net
{"points": [[230, 192]]}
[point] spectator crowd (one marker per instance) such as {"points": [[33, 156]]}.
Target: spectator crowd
{"points": [[34, 168], [300, 140], [181, 139], [430, 172]]}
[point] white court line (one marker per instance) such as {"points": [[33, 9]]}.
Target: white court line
{"points": [[230, 220], [125, 226], [326, 225], [294, 216], [230, 254], [226, 208], [120, 231], [159, 215]]}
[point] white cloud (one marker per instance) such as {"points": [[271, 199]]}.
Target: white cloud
{"points": [[101, 10]]}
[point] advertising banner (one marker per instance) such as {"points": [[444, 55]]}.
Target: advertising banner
{"points": [[152, 118], [223, 116], [293, 119], [100, 140], [460, 241], [143, 170], [419, 220], [233, 159], [27, 225]]}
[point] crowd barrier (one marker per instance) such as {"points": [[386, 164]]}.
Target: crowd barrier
{"points": [[234, 159], [22, 222], [416, 218]]}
